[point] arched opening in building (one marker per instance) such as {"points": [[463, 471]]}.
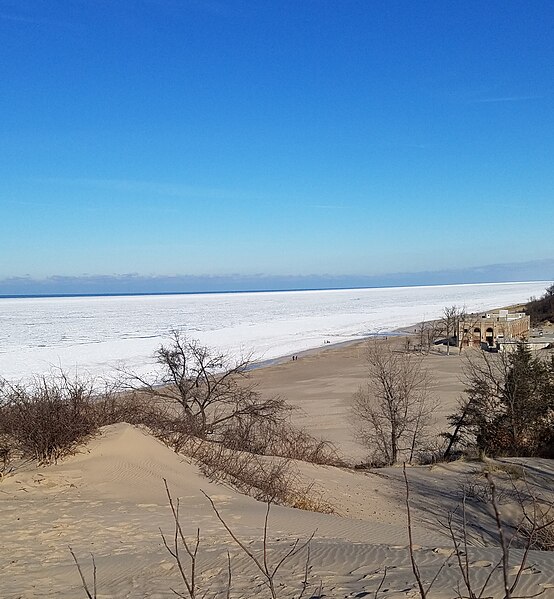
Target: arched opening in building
{"points": [[477, 337], [489, 336]]}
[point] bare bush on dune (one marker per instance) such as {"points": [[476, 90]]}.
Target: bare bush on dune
{"points": [[536, 524], [133, 408], [6, 453], [266, 437], [47, 418], [268, 568], [539, 528], [280, 438], [266, 478], [185, 554], [533, 528]]}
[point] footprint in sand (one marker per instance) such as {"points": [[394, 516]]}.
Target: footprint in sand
{"points": [[529, 570], [481, 564]]}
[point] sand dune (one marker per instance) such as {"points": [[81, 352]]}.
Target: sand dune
{"points": [[109, 500]]}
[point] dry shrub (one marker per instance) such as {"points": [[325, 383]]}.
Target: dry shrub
{"points": [[270, 437], [176, 432], [513, 471], [6, 453], [268, 479], [434, 453], [135, 409], [263, 479], [310, 501], [114, 408], [536, 527], [477, 489], [541, 534], [47, 418]]}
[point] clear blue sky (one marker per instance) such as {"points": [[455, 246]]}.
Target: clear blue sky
{"points": [[283, 137]]}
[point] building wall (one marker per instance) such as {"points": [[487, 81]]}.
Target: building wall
{"points": [[478, 330]]}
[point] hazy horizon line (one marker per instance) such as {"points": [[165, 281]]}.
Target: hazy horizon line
{"points": [[136, 284], [237, 291]]}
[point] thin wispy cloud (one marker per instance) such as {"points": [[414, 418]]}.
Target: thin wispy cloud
{"points": [[407, 144], [327, 206], [34, 204], [506, 99], [489, 94], [33, 20], [114, 190], [213, 7], [159, 188]]}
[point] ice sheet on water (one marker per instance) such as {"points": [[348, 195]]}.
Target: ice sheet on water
{"points": [[94, 334]]}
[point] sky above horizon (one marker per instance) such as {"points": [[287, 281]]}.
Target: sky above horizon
{"points": [[202, 137]]}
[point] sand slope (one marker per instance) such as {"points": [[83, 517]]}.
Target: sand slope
{"points": [[109, 499]]}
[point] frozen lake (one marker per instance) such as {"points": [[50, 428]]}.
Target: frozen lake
{"points": [[94, 334]]}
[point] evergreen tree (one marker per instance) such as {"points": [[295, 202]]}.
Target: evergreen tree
{"points": [[509, 406]]}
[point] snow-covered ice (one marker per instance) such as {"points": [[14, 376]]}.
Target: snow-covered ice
{"points": [[95, 334]]}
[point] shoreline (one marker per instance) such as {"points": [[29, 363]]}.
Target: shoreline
{"points": [[403, 331], [324, 380], [94, 335], [320, 349]]}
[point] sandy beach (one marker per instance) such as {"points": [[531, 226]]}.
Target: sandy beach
{"points": [[109, 500], [322, 383]]}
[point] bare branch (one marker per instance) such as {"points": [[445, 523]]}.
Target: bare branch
{"points": [[267, 571], [89, 594]]}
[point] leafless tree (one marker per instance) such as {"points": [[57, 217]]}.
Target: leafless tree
{"points": [[429, 331], [466, 325], [211, 391], [393, 410], [451, 317]]}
